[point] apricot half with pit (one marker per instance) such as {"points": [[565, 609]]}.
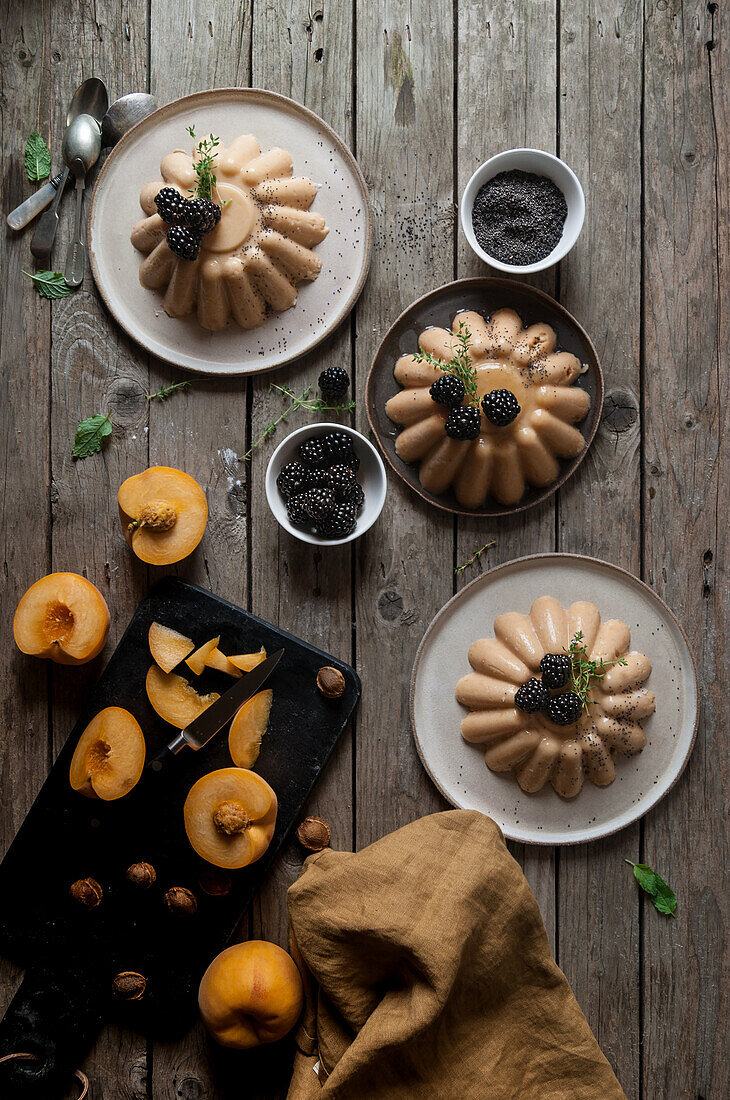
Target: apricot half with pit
{"points": [[175, 700], [248, 727], [250, 994], [230, 816], [163, 513], [168, 647], [63, 617], [109, 757]]}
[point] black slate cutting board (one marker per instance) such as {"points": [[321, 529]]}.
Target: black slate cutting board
{"points": [[71, 955]]}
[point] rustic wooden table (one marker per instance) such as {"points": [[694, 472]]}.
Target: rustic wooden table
{"points": [[635, 97]]}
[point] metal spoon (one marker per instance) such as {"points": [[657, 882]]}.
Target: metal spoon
{"points": [[90, 98], [125, 113], [81, 149]]}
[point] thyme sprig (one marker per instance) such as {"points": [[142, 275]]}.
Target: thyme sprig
{"points": [[460, 363], [584, 671], [166, 391], [204, 165], [296, 402], [477, 554]]}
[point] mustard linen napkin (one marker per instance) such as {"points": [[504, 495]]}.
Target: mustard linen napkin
{"points": [[428, 975]]}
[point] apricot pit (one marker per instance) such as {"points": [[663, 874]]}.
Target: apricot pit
{"points": [[163, 513], [230, 816]]}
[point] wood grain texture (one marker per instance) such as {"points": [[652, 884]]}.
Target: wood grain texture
{"points": [[509, 52], [599, 511], [404, 132], [685, 965]]}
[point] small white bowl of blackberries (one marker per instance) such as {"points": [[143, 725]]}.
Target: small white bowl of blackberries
{"points": [[326, 483]]}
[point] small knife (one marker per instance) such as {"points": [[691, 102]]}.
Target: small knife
{"points": [[39, 200], [214, 717]]}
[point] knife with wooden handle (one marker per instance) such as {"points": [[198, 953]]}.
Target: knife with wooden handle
{"points": [[214, 717]]}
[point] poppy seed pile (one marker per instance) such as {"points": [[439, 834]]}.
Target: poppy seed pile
{"points": [[518, 217]]}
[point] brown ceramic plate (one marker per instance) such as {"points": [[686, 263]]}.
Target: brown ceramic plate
{"points": [[439, 308], [342, 199]]}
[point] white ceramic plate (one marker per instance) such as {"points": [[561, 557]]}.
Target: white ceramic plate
{"points": [[342, 200], [458, 769]]}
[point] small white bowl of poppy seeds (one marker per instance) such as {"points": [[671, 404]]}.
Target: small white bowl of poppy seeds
{"points": [[522, 211]]}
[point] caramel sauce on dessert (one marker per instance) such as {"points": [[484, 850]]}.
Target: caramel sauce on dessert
{"points": [[503, 458], [251, 263], [529, 742]]}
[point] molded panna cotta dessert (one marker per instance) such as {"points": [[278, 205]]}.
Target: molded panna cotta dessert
{"points": [[249, 265], [488, 408], [556, 695]]}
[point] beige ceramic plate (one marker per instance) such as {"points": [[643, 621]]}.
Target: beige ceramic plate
{"points": [[458, 769], [342, 200]]}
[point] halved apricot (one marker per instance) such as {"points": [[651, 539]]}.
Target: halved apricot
{"points": [[175, 700], [230, 816], [63, 617], [197, 661], [168, 647], [109, 757], [217, 659], [248, 727], [163, 513], [248, 661]]}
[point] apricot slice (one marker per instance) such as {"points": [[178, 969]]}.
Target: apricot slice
{"points": [[217, 659], [163, 513], [63, 617], [109, 757], [248, 661], [196, 663], [168, 647], [248, 727], [230, 816], [174, 699]]}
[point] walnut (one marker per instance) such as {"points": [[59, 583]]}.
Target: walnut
{"points": [[314, 834], [215, 883], [87, 892], [330, 682], [142, 875], [230, 817], [128, 985], [181, 900], [157, 515]]}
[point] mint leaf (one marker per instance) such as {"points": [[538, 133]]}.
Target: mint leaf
{"points": [[49, 284], [662, 896], [37, 158], [90, 435]]}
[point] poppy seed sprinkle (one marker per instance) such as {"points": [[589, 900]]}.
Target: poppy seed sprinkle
{"points": [[518, 217]]}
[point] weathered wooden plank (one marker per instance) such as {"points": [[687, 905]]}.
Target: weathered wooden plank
{"points": [[94, 369], [24, 425], [195, 46], [507, 52], [685, 961], [599, 511], [404, 112]]}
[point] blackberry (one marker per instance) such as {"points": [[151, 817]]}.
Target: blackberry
{"points": [[556, 669], [170, 205], [448, 390], [202, 215], [316, 477], [184, 242], [464, 422], [312, 452], [350, 459], [336, 444], [355, 496], [319, 502], [291, 479], [340, 478], [339, 523], [532, 696], [500, 407], [297, 513], [565, 708], [334, 383]]}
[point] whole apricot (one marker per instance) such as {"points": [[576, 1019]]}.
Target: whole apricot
{"points": [[250, 994]]}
